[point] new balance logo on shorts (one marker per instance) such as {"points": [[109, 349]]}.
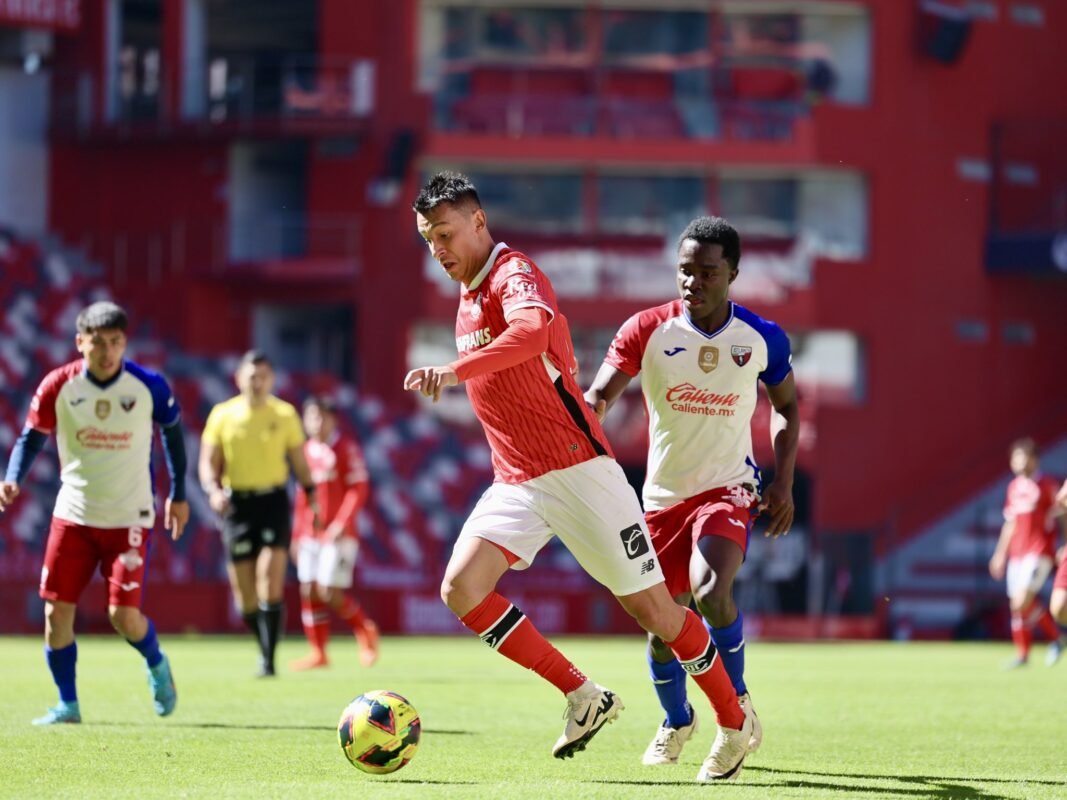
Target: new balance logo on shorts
{"points": [[634, 542]]}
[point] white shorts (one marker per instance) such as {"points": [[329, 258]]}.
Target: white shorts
{"points": [[1027, 574], [327, 564], [589, 506]]}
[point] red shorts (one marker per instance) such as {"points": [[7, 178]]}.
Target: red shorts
{"points": [[74, 551], [1060, 581], [725, 512]]}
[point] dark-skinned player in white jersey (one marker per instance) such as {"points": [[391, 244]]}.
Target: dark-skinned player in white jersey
{"points": [[701, 358]]}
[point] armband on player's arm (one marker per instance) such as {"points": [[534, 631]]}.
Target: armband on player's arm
{"points": [[30, 442], [177, 462], [525, 337]]}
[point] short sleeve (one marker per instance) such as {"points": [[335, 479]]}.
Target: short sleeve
{"points": [[353, 468], [519, 284], [779, 356], [293, 429], [626, 349], [165, 409], [212, 433], [42, 414]]}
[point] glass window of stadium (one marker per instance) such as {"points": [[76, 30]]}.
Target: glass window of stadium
{"points": [[647, 205], [532, 203]]}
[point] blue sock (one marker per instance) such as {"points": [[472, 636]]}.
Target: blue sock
{"points": [[61, 662], [669, 682], [149, 646], [730, 642]]}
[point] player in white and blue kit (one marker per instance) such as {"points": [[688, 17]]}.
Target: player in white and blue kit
{"points": [[701, 359], [103, 410]]}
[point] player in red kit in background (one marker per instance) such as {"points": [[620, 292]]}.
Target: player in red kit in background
{"points": [[325, 558], [701, 360], [1026, 551], [554, 475], [1058, 602]]}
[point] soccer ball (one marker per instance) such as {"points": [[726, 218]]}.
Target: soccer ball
{"points": [[379, 732]]}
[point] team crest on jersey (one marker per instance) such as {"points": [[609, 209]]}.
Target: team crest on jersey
{"points": [[103, 409], [476, 307], [127, 402], [708, 358], [740, 354], [524, 267]]}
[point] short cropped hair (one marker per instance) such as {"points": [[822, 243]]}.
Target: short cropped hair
{"points": [[323, 403], [715, 230], [102, 315], [1026, 444], [446, 187], [255, 357]]}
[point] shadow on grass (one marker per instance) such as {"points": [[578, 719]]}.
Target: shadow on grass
{"points": [[949, 788], [252, 727]]}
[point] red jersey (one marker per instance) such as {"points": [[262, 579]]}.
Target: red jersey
{"points": [[533, 413], [1029, 503], [340, 477]]}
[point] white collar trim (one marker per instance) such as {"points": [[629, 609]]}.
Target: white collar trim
{"points": [[485, 269]]}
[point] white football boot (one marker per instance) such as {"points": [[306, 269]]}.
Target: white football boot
{"points": [[666, 746], [728, 752], [757, 729], [589, 708]]}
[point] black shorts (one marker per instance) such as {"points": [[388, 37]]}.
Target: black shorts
{"points": [[254, 521]]}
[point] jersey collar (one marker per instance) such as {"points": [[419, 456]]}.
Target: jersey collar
{"points": [[717, 331], [500, 247], [102, 384]]}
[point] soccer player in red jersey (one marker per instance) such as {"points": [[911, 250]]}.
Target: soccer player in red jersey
{"points": [[554, 474], [1026, 550], [102, 409], [701, 359], [325, 558], [1058, 602]]}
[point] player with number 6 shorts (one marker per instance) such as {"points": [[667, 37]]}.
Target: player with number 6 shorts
{"points": [[103, 410]]}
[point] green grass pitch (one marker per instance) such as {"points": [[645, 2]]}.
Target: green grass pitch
{"points": [[876, 720]]}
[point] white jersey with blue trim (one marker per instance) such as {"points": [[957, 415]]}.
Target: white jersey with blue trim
{"points": [[700, 391], [104, 436]]}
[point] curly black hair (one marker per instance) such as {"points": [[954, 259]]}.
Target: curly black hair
{"points": [[715, 230], [446, 187]]}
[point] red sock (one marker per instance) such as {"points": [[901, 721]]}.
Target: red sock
{"points": [[314, 616], [694, 650], [1048, 626], [506, 629], [351, 612], [1020, 634]]}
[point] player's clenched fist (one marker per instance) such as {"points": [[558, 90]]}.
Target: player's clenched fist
{"points": [[430, 380], [8, 492]]}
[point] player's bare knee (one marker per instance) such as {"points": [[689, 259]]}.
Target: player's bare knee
{"points": [[716, 605], [658, 649], [124, 620]]}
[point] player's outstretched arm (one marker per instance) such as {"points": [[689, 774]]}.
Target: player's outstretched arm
{"points": [[429, 381], [777, 500], [608, 385], [27, 446]]}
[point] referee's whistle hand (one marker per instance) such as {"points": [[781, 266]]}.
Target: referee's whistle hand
{"points": [[219, 500]]}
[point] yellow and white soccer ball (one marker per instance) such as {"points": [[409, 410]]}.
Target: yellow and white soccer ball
{"points": [[379, 732]]}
